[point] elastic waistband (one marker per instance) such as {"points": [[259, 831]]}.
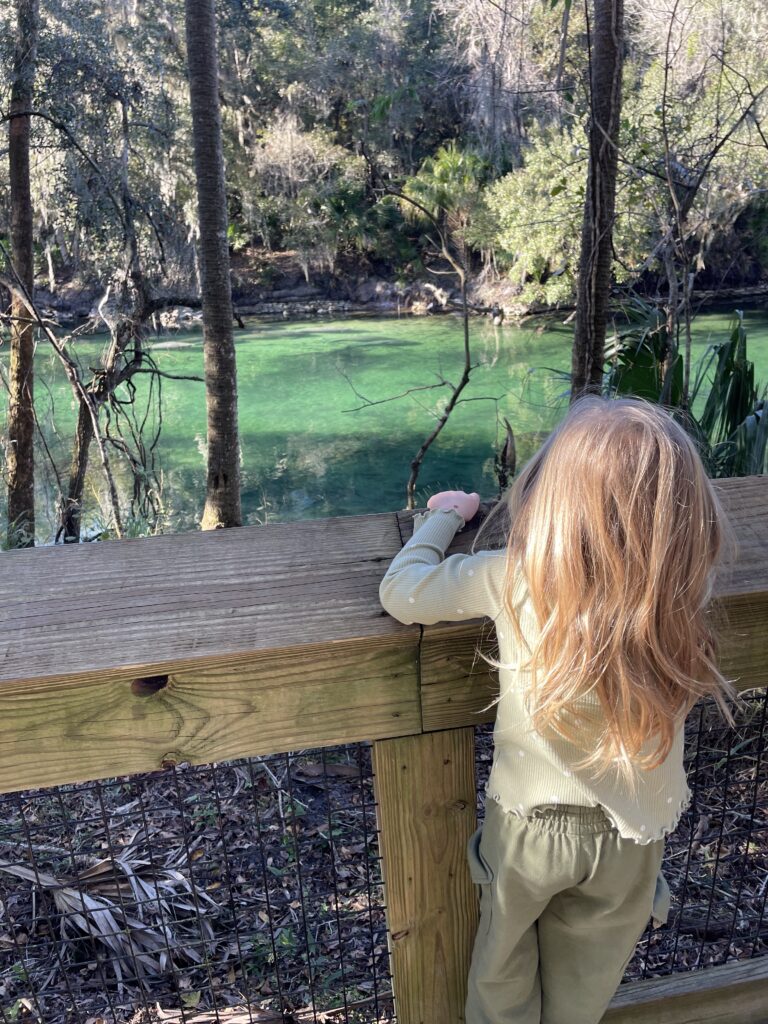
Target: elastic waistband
{"points": [[571, 819]]}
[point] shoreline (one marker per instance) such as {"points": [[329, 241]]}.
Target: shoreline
{"points": [[371, 296]]}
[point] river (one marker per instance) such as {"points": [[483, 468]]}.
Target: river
{"points": [[323, 432]]}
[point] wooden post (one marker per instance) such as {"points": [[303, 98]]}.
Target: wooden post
{"points": [[425, 788]]}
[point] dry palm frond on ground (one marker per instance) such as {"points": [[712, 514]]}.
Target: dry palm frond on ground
{"points": [[123, 905], [251, 891]]}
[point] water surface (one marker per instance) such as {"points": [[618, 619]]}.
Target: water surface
{"points": [[319, 433]]}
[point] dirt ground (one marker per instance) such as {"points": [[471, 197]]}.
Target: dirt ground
{"points": [[251, 891]]}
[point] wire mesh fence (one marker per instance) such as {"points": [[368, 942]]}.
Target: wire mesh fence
{"points": [[252, 891], [242, 892], [716, 861]]}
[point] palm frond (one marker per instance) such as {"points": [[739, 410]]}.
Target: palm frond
{"points": [[139, 918]]}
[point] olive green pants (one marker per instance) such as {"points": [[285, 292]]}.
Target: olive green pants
{"points": [[564, 899]]}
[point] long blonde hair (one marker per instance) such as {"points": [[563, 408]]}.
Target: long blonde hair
{"points": [[615, 528]]}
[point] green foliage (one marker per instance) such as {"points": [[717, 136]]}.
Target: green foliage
{"points": [[752, 440], [383, 235], [533, 218], [311, 194], [447, 184], [734, 418], [389, 84], [637, 353], [732, 427], [236, 237], [732, 396], [18, 535], [446, 194], [757, 228], [744, 248], [113, 90]]}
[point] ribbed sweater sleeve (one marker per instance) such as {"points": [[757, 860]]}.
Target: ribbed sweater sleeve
{"points": [[530, 770], [421, 585]]}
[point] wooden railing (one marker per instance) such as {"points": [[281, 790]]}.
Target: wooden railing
{"points": [[128, 656]]}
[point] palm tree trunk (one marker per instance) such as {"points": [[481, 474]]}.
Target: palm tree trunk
{"points": [[594, 283], [222, 500], [21, 414]]}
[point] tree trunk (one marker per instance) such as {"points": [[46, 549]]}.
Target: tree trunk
{"points": [[50, 265], [222, 500], [561, 60], [594, 283], [21, 414], [61, 241], [72, 511]]}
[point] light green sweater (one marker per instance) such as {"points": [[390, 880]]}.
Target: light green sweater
{"points": [[529, 770]]}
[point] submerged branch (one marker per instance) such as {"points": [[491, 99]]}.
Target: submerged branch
{"points": [[368, 402]]}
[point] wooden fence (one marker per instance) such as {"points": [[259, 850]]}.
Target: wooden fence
{"points": [[128, 656]]}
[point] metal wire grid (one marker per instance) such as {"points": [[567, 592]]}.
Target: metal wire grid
{"points": [[716, 861], [242, 892], [252, 891]]}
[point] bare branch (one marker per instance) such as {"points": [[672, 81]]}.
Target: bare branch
{"points": [[368, 402], [64, 129], [16, 286], [168, 376]]}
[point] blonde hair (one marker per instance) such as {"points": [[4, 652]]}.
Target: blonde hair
{"points": [[614, 528]]}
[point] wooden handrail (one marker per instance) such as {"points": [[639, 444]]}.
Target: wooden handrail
{"points": [[132, 655], [127, 655]]}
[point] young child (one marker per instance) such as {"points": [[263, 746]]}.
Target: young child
{"points": [[599, 599]]}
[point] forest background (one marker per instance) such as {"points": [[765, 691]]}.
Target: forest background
{"points": [[384, 140], [327, 103], [607, 162]]}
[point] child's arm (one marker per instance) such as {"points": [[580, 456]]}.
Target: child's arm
{"points": [[421, 585]]}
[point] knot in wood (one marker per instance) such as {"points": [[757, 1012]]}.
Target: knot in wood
{"points": [[147, 685]]}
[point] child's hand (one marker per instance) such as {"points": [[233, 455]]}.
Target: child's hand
{"points": [[465, 504]]}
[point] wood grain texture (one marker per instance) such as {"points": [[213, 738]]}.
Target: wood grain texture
{"points": [[745, 500], [457, 686], [162, 600], [731, 994], [425, 788], [77, 728], [272, 639], [743, 632], [226, 613]]}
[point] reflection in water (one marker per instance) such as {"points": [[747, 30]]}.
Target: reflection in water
{"points": [[303, 455]]}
